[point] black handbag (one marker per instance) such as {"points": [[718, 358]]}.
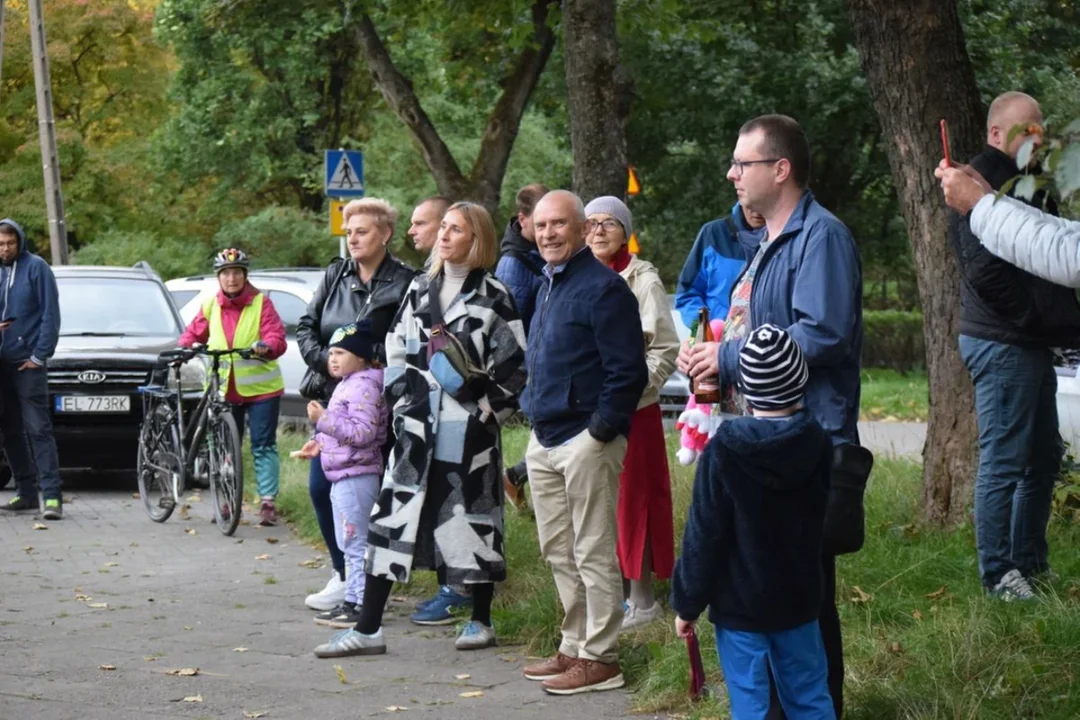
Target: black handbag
{"points": [[845, 517]]}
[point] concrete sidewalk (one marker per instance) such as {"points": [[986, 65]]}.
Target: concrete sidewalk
{"points": [[107, 588]]}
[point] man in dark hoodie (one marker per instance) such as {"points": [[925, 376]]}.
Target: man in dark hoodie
{"points": [[753, 541], [519, 269], [30, 302], [1009, 321]]}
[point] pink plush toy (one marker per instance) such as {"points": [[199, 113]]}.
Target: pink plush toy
{"points": [[696, 423]]}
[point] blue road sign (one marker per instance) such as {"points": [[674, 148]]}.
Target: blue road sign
{"points": [[344, 173]]}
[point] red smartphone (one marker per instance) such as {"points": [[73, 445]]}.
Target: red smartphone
{"points": [[945, 142]]}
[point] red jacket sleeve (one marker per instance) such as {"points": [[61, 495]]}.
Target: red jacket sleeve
{"points": [[272, 330], [197, 332]]}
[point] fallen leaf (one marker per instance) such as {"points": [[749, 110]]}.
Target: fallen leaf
{"points": [[917, 615], [106, 667], [257, 714], [150, 658], [860, 596], [184, 672], [112, 564], [184, 514], [262, 557], [462, 676], [313, 564], [97, 606], [82, 598], [187, 627], [340, 675], [135, 496], [193, 498], [937, 594], [895, 648], [193, 698], [272, 540], [190, 531], [396, 708], [239, 649], [473, 694], [28, 549], [40, 526], [400, 599], [512, 658]]}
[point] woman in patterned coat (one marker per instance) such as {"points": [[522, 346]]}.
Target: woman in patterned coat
{"points": [[441, 502]]}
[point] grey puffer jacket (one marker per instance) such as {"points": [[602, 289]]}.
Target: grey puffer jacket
{"points": [[1032, 240]]}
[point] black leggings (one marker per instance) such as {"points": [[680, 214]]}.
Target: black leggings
{"points": [[377, 590]]}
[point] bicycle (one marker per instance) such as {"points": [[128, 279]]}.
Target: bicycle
{"points": [[174, 449]]}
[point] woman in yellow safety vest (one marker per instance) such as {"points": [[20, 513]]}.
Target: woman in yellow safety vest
{"points": [[239, 316]]}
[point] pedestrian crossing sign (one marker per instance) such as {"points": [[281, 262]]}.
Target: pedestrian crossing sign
{"points": [[344, 173]]}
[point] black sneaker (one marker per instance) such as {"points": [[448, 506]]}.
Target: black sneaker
{"points": [[18, 503], [324, 618], [347, 618], [53, 510]]}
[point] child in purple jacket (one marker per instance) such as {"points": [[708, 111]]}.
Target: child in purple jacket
{"points": [[350, 433]]}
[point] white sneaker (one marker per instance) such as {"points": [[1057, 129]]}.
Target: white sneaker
{"points": [[635, 617], [1014, 586], [329, 597]]}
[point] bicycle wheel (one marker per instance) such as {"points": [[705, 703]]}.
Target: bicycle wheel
{"points": [[158, 464], [226, 471]]}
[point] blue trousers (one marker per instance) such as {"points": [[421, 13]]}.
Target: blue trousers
{"points": [[353, 499], [262, 417], [319, 489], [1020, 454], [28, 433], [799, 669]]}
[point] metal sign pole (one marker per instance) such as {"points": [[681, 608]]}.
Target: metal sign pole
{"points": [[54, 201]]}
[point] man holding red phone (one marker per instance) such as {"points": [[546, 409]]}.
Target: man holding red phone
{"points": [[1009, 321]]}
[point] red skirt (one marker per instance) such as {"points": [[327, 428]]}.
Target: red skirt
{"points": [[644, 510]]}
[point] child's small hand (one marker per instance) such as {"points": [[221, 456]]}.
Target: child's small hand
{"points": [[310, 451], [315, 411], [683, 628]]}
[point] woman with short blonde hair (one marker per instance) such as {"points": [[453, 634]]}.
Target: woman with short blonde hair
{"points": [[382, 212]]}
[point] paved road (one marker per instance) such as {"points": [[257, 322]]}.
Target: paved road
{"points": [[107, 587]]}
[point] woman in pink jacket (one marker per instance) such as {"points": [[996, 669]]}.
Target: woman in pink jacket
{"points": [[240, 316]]}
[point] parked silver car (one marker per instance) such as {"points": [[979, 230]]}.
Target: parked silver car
{"points": [[290, 289]]}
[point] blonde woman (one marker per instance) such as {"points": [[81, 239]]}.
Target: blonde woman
{"points": [[370, 283], [450, 385]]}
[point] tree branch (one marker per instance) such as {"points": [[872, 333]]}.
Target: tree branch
{"points": [[399, 95], [505, 119]]}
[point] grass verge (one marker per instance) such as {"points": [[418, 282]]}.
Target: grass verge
{"points": [[921, 640], [890, 395]]}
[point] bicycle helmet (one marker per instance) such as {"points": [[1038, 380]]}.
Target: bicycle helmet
{"points": [[229, 258]]}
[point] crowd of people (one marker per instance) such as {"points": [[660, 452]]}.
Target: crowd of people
{"points": [[411, 375]]}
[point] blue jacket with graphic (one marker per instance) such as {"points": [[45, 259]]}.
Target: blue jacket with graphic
{"points": [[810, 282], [30, 296], [709, 274]]}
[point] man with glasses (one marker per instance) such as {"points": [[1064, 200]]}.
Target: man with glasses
{"points": [[805, 277]]}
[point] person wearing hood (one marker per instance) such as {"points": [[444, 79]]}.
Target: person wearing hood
{"points": [[29, 330], [240, 316], [646, 540], [754, 536], [519, 269]]}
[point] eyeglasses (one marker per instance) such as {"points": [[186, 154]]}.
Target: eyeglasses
{"points": [[609, 225], [740, 165]]}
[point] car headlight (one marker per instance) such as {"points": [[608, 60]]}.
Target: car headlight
{"points": [[192, 377]]}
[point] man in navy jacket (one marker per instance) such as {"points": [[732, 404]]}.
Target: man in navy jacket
{"points": [[586, 364], [806, 277]]}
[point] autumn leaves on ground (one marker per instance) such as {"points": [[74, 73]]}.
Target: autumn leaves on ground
{"points": [[920, 639]]}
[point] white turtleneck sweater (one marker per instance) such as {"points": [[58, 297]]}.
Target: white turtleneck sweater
{"points": [[453, 278]]}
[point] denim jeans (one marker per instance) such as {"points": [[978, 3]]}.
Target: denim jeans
{"points": [[1020, 454], [263, 418], [27, 430]]}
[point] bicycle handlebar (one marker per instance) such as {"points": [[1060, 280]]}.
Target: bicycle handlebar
{"points": [[179, 356]]}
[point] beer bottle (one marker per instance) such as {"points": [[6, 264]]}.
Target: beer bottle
{"points": [[706, 389]]}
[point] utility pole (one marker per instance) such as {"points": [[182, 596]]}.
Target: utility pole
{"points": [[2, 3], [54, 201]]}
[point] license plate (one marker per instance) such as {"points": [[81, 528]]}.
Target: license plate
{"points": [[93, 403]]}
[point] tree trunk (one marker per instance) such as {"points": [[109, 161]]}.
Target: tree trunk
{"points": [[918, 71], [597, 95], [484, 183]]}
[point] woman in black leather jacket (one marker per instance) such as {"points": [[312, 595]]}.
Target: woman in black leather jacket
{"points": [[369, 284]]}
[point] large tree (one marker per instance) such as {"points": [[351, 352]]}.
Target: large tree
{"points": [[918, 71]]}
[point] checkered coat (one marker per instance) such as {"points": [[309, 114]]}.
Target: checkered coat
{"points": [[441, 502]]}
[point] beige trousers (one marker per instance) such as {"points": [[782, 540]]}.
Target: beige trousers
{"points": [[574, 490]]}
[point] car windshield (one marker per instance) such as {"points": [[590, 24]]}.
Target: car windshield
{"points": [[114, 306]]}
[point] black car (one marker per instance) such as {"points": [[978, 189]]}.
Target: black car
{"points": [[114, 322]]}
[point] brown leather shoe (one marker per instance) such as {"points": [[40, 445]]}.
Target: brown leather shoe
{"points": [[586, 676], [553, 667], [515, 494]]}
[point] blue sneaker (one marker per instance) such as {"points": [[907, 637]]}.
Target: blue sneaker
{"points": [[438, 611]]}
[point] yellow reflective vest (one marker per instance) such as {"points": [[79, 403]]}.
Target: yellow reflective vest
{"points": [[253, 377]]}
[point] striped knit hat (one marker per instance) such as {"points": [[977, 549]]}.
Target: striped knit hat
{"points": [[772, 370]]}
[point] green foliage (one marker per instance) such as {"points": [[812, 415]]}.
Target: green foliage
{"points": [[278, 237], [893, 339], [170, 257]]}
